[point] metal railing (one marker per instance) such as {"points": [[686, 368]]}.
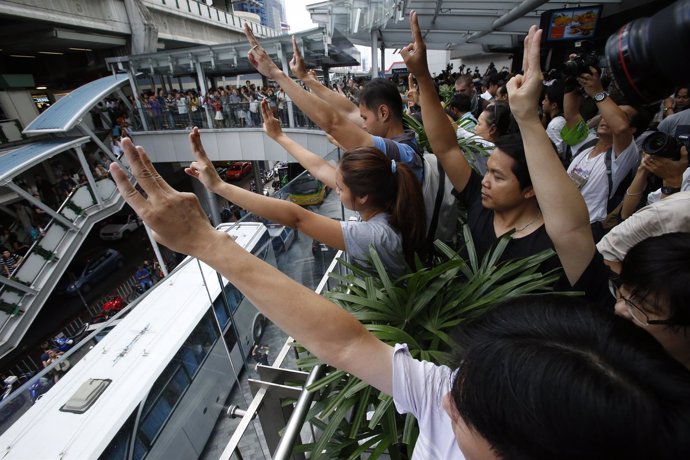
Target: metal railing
{"points": [[230, 115]]}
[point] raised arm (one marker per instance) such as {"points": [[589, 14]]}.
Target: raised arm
{"points": [[336, 100], [565, 214], [317, 166], [284, 212], [179, 223], [437, 126], [616, 119], [347, 133]]}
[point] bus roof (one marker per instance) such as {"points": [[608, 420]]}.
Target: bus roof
{"points": [[132, 356]]}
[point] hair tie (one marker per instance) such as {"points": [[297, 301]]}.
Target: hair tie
{"points": [[394, 166]]}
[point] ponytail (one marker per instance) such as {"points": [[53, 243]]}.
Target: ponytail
{"points": [[393, 188]]}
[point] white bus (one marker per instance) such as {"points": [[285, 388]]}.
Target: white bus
{"points": [[154, 386]]}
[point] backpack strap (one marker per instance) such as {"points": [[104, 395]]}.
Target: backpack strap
{"points": [[607, 162]]}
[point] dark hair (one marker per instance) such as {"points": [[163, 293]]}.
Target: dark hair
{"points": [[511, 145], [367, 171], [658, 269], [498, 114], [461, 102], [555, 93], [640, 120], [381, 91], [502, 90], [464, 78], [544, 377], [685, 87]]}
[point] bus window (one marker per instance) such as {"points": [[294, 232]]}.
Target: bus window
{"points": [[166, 392], [234, 296], [222, 313], [199, 343], [118, 447], [261, 248]]}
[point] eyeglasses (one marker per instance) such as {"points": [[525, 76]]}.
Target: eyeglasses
{"points": [[638, 314]]}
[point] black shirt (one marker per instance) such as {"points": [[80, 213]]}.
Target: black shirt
{"points": [[481, 223]]}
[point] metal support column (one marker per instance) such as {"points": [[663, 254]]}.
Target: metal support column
{"points": [[87, 131], [383, 58], [201, 76], [39, 204], [137, 100], [286, 70], [89, 176], [374, 54]]}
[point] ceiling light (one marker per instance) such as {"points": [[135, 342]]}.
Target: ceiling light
{"points": [[57, 53], [80, 49], [22, 56], [41, 87]]}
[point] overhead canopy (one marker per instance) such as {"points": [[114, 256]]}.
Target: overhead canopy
{"points": [[66, 113], [16, 161], [465, 28], [318, 47]]}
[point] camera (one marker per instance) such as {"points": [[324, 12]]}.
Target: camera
{"points": [[662, 145], [580, 64], [647, 57]]}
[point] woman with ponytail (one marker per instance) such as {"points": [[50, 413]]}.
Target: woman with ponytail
{"points": [[385, 193]]}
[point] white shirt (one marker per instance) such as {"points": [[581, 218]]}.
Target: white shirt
{"points": [[655, 196], [590, 176], [486, 95], [553, 130], [419, 388]]}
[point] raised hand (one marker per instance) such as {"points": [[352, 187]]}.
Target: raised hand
{"points": [[258, 57], [666, 168], [414, 54], [271, 124], [202, 168], [524, 90], [176, 219], [591, 82], [297, 62]]}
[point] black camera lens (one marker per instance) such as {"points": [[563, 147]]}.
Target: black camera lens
{"points": [[649, 56], [661, 145]]}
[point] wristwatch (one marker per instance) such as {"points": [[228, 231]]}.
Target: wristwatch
{"points": [[600, 96], [669, 190]]}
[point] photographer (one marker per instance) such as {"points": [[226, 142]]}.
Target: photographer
{"points": [[675, 175], [613, 144]]}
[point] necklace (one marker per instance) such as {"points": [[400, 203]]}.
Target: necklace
{"points": [[518, 230]]}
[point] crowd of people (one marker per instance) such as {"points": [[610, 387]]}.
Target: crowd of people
{"points": [[605, 375]]}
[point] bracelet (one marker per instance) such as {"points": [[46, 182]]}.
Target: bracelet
{"points": [[627, 192]]}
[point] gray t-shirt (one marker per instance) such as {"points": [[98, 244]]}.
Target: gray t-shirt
{"points": [[377, 232]]}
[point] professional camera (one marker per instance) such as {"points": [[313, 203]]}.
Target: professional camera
{"points": [[662, 145], [649, 56], [580, 64]]}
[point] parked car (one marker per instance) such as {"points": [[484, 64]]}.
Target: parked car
{"points": [[119, 226], [306, 191], [97, 268], [282, 237], [238, 170]]}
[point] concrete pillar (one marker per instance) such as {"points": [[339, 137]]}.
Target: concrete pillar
{"points": [[374, 54], [286, 69], [144, 30]]}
